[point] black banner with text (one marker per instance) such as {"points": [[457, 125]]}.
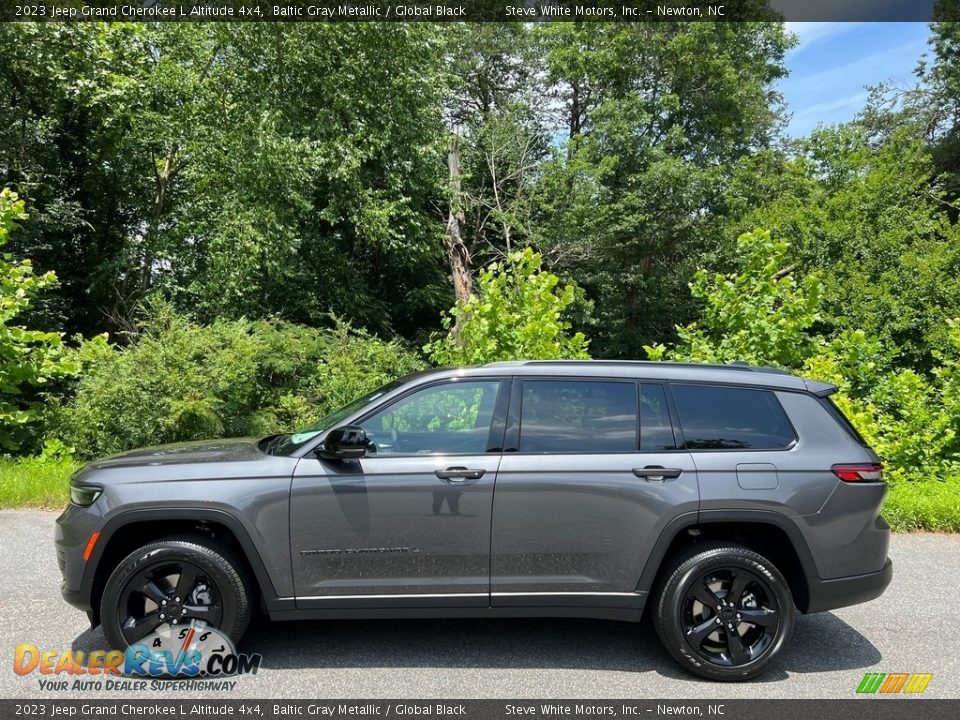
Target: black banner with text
{"points": [[862, 709], [476, 10]]}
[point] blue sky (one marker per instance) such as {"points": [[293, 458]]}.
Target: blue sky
{"points": [[834, 62]]}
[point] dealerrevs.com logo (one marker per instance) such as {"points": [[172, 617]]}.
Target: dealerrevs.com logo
{"points": [[195, 653]]}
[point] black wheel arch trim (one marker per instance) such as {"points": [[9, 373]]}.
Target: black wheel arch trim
{"points": [[682, 522], [83, 596]]}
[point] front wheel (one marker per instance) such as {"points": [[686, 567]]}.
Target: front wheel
{"points": [[723, 612], [175, 582]]}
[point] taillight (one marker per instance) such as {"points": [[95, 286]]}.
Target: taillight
{"points": [[859, 472]]}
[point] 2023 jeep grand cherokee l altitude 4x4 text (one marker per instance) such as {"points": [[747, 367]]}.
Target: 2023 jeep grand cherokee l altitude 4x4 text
{"points": [[724, 498]]}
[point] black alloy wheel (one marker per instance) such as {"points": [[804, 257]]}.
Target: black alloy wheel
{"points": [[723, 611], [171, 582], [730, 616], [168, 593]]}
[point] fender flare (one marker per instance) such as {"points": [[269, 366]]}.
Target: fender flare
{"points": [[710, 517], [248, 548]]}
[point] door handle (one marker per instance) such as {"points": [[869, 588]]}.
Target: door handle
{"points": [[657, 473], [459, 474]]}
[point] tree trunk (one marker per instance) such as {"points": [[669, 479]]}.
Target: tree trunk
{"points": [[458, 255]]}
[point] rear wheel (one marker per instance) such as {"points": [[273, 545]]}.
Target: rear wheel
{"points": [[723, 611], [174, 582]]}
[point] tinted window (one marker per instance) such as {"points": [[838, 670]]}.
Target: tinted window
{"points": [[575, 416], [726, 418], [656, 429], [453, 418]]}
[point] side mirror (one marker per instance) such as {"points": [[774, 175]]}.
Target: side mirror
{"points": [[349, 442]]}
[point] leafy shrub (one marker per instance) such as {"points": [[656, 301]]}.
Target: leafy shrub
{"points": [[517, 313], [760, 314], [183, 381], [911, 419], [28, 358]]}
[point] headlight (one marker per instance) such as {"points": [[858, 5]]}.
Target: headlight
{"points": [[84, 495]]}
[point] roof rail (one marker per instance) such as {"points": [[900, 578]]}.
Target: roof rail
{"points": [[735, 365]]}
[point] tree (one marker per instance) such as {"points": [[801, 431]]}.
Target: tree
{"points": [[759, 314], [868, 217], [495, 141], [28, 358], [238, 169], [516, 314], [654, 114]]}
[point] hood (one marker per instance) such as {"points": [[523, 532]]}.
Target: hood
{"points": [[203, 451]]}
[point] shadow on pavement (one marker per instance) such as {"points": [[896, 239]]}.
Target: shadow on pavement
{"points": [[820, 643]]}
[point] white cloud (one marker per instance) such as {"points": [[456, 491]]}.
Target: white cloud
{"points": [[825, 107], [809, 33], [860, 68]]}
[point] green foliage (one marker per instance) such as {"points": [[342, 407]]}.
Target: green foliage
{"points": [[865, 217], [28, 358], [932, 506], [911, 419], [183, 381], [355, 364], [236, 168], [655, 114], [517, 313], [759, 314]]}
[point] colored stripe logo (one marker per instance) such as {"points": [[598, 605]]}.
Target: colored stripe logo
{"points": [[893, 683]]}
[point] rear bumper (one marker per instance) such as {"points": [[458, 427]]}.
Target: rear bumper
{"points": [[840, 592]]}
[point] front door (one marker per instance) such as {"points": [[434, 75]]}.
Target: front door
{"points": [[408, 525], [590, 475]]}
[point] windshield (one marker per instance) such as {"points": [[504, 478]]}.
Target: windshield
{"points": [[292, 442]]}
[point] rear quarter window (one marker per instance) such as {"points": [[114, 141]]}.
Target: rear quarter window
{"points": [[716, 417]]}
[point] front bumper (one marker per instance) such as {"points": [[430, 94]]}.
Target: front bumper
{"points": [[72, 532], [840, 592]]}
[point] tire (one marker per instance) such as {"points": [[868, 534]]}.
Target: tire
{"points": [[756, 612], [217, 590]]}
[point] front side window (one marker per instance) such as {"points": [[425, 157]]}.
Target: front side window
{"points": [[453, 418], [730, 418], [578, 416]]}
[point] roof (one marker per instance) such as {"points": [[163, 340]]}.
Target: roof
{"points": [[739, 373]]}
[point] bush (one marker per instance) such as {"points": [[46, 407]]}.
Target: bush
{"points": [[911, 419], [518, 313], [760, 314], [183, 381], [28, 358]]}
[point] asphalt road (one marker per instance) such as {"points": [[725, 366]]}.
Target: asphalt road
{"points": [[914, 627]]}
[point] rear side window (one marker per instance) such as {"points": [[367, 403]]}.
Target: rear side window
{"points": [[578, 416], [729, 418]]}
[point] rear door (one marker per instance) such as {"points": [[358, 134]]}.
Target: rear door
{"points": [[590, 475]]}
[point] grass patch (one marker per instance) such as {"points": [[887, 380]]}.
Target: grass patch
{"points": [[35, 483], [927, 505]]}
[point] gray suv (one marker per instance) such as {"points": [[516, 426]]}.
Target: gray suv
{"points": [[720, 499]]}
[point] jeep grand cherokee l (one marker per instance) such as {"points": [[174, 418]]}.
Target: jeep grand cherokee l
{"points": [[723, 499]]}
